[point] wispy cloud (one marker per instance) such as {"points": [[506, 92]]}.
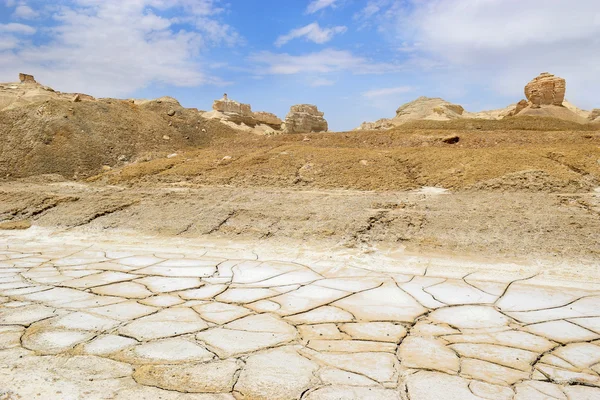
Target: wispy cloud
{"points": [[324, 61], [387, 91], [23, 11], [17, 28], [317, 5], [312, 32]]}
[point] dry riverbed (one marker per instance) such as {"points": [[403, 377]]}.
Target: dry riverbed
{"points": [[115, 316]]}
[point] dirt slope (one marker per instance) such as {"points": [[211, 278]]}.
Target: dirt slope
{"points": [[77, 139], [408, 157]]}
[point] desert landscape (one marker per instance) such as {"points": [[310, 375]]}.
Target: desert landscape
{"points": [[152, 251]]}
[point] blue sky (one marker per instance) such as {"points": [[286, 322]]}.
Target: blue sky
{"points": [[357, 60]]}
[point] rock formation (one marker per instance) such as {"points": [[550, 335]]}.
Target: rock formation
{"points": [[25, 78], [546, 98], [545, 90], [267, 118], [520, 106], [28, 91], [305, 118], [427, 108], [240, 116], [226, 105]]}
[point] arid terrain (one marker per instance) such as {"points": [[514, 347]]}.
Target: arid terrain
{"points": [[524, 187], [150, 251]]}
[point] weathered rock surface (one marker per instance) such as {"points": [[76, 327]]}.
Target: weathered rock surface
{"points": [[25, 78], [305, 118], [545, 90], [226, 105], [594, 115], [521, 105], [423, 108], [240, 116], [28, 91], [267, 118]]}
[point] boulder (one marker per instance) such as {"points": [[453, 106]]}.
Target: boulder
{"points": [[594, 115], [304, 118], [546, 90]]}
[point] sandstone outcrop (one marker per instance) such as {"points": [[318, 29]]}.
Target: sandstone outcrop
{"points": [[267, 118], [28, 91], [545, 90], [240, 116], [520, 106], [545, 98], [305, 118], [428, 108], [25, 78], [228, 106], [423, 108]]}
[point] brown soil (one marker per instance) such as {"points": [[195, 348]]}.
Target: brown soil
{"points": [[404, 158]]}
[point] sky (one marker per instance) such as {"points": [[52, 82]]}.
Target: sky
{"points": [[357, 60]]}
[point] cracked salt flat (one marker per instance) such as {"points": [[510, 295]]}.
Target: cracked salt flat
{"points": [[114, 322]]}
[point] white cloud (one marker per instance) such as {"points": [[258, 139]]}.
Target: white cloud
{"points": [[322, 82], [8, 42], [372, 8], [312, 32], [17, 28], [25, 12], [324, 61], [114, 47], [387, 91], [317, 5], [500, 43]]}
